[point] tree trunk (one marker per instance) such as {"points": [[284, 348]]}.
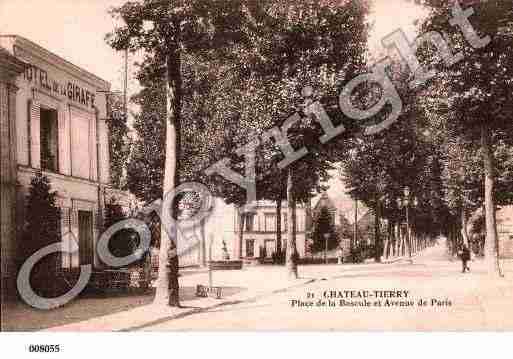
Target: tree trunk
{"points": [[377, 237], [394, 240], [403, 235], [167, 280], [389, 238], [242, 219], [291, 230], [397, 239], [203, 244], [386, 240], [167, 291], [454, 232], [278, 230], [408, 232], [464, 222], [491, 243]]}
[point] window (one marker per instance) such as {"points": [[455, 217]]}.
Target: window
{"points": [[250, 248], [299, 223], [270, 222], [49, 140], [70, 258], [81, 152], [250, 222]]}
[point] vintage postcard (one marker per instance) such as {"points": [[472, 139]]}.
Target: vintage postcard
{"points": [[243, 165]]}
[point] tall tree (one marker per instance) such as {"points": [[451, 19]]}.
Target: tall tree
{"points": [[479, 89], [165, 31], [379, 167], [298, 44]]}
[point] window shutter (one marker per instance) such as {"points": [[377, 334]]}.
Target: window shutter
{"points": [[34, 128]]}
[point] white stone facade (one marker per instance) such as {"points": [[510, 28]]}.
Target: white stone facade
{"points": [[260, 231], [61, 129], [505, 231], [10, 68]]}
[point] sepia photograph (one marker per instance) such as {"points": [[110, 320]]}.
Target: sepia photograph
{"points": [[255, 166]]}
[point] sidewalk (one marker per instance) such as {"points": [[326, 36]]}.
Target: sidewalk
{"points": [[255, 286], [258, 283]]}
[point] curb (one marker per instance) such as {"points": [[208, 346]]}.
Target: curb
{"points": [[215, 306], [102, 323]]}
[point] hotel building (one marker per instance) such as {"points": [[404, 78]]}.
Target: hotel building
{"points": [[53, 119]]}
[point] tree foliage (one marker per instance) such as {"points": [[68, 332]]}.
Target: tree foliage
{"points": [[42, 223], [324, 225], [119, 142]]}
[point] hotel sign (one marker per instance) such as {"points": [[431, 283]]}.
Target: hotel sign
{"points": [[39, 77]]}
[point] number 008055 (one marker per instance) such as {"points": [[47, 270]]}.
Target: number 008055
{"points": [[44, 348]]}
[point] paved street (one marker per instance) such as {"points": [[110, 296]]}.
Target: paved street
{"points": [[455, 301], [263, 298]]}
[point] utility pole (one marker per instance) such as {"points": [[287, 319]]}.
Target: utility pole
{"points": [[408, 229], [326, 236], [125, 86], [210, 279], [355, 237]]}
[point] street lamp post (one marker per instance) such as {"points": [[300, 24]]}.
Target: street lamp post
{"points": [[386, 247], [414, 205], [406, 204], [326, 236], [355, 234]]}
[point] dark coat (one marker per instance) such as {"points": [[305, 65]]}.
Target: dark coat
{"points": [[465, 254]]}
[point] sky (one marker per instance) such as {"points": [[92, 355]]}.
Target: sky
{"points": [[390, 15], [72, 29], [75, 30]]}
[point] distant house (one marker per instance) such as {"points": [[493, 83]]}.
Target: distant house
{"points": [[326, 202], [505, 231], [366, 228], [205, 239], [260, 230]]}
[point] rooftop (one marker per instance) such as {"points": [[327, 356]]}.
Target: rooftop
{"points": [[28, 45]]}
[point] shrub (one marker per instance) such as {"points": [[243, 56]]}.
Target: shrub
{"points": [[42, 227]]}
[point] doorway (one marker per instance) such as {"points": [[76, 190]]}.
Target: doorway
{"points": [[85, 237], [270, 247]]}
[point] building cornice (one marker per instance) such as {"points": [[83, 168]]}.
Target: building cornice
{"points": [[60, 176], [10, 66], [269, 233], [64, 65]]}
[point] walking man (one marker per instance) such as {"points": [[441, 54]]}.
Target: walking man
{"points": [[465, 257]]}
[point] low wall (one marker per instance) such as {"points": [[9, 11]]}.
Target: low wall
{"points": [[225, 265]]}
